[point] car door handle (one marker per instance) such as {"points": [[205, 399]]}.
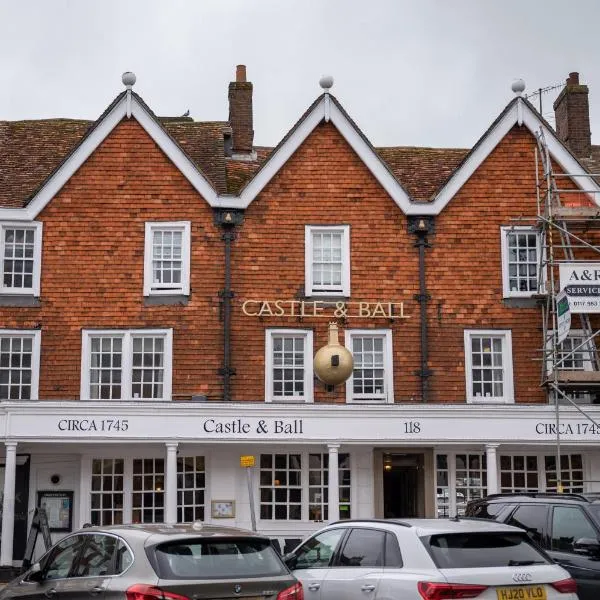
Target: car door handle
{"points": [[96, 590], [50, 593], [314, 587], [367, 588]]}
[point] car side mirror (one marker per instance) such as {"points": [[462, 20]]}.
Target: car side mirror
{"points": [[35, 573], [588, 546], [290, 560]]}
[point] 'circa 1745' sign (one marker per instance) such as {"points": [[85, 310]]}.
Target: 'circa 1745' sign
{"points": [[324, 309]]}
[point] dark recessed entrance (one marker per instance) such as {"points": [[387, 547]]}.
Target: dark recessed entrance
{"points": [[403, 486]]}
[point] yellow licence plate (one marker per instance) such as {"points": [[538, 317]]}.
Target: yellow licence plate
{"points": [[522, 592]]}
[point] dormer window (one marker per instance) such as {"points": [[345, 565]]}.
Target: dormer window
{"points": [[167, 259], [327, 260], [21, 256]]}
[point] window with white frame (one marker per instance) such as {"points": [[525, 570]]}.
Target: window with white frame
{"points": [[126, 364], [574, 353], [167, 258], [284, 477], [21, 256], [442, 495], [19, 364], [471, 479], [126, 490], [281, 487], [191, 485], [372, 376], [327, 260], [318, 486], [519, 473], [521, 259], [107, 491], [460, 477], [289, 371], [571, 473], [148, 498], [488, 366]]}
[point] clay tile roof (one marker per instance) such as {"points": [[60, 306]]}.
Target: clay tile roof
{"points": [[240, 172], [422, 171], [30, 151], [203, 143]]}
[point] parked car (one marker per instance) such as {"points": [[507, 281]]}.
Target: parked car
{"points": [[566, 526], [158, 562], [426, 559]]}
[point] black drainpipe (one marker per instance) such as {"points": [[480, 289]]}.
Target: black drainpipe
{"points": [[227, 220], [421, 227]]}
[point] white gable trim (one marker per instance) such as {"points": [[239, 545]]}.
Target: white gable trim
{"points": [[518, 112], [531, 120]]}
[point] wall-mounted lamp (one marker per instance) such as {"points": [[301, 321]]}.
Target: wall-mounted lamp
{"points": [[387, 462]]}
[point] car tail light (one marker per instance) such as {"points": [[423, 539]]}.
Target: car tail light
{"points": [[294, 592], [565, 586], [430, 590], [142, 591]]}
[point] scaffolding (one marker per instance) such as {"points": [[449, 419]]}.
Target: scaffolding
{"points": [[568, 221]]}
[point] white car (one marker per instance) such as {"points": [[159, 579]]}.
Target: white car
{"points": [[426, 559]]}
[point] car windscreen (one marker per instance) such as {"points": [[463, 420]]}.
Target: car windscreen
{"points": [[216, 559], [482, 550]]}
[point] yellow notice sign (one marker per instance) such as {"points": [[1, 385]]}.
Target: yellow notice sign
{"points": [[246, 461]]}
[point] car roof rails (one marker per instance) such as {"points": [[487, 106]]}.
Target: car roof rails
{"points": [[566, 496]]}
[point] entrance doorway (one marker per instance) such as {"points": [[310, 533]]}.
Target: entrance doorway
{"points": [[403, 486]]}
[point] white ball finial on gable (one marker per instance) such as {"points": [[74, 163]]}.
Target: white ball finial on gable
{"points": [[326, 82], [128, 79], [518, 87]]}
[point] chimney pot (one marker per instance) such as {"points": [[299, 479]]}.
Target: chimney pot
{"points": [[573, 78], [240, 73]]}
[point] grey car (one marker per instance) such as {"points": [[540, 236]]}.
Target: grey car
{"points": [[158, 562]]}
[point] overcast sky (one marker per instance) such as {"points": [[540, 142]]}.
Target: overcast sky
{"points": [[409, 72]]}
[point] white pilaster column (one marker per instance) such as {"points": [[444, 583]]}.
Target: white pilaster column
{"points": [[492, 468], [334, 483], [171, 483], [8, 505]]}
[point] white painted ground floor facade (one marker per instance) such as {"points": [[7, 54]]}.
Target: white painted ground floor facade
{"points": [[152, 462]]}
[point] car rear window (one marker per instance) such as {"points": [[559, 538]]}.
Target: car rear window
{"points": [[482, 550], [217, 559]]}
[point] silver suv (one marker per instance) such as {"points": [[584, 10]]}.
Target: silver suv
{"points": [[158, 562], [426, 559]]}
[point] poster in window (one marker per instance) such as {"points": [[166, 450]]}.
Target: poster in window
{"points": [[59, 509]]}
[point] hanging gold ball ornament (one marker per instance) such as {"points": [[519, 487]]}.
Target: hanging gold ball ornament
{"points": [[333, 363]]}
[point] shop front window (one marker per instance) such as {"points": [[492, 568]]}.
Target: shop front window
{"points": [[571, 473], [191, 484], [442, 497], [318, 486], [471, 479], [107, 491], [281, 487], [519, 473]]}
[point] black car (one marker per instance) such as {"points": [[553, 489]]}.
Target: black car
{"points": [[567, 526]]}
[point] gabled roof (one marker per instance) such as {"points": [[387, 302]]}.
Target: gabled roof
{"points": [[421, 181]]}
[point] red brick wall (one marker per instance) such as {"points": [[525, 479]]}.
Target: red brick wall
{"points": [[92, 269], [92, 265]]}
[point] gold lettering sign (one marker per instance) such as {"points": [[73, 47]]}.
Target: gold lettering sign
{"points": [[323, 309]]}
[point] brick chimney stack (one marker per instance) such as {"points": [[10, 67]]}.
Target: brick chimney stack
{"points": [[572, 112], [240, 112]]}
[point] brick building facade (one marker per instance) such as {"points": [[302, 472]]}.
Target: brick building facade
{"points": [[166, 285]]}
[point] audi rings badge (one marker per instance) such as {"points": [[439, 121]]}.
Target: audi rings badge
{"points": [[522, 577]]}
